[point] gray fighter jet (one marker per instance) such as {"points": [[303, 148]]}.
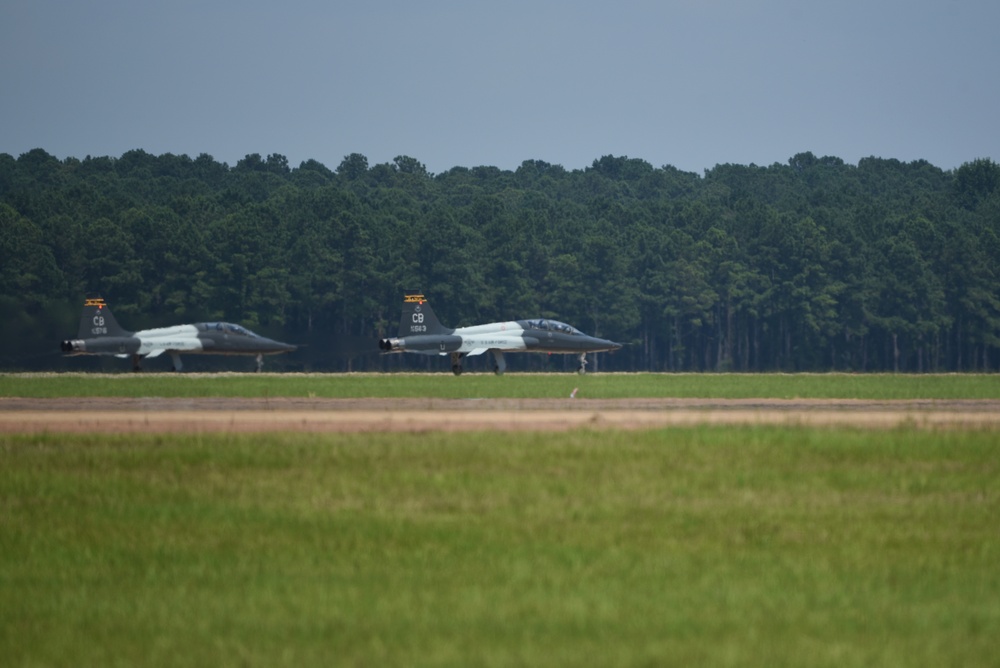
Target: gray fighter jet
{"points": [[100, 334], [420, 332]]}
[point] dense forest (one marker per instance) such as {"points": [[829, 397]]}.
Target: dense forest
{"points": [[813, 265]]}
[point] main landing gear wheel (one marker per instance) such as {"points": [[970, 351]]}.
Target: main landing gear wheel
{"points": [[499, 364], [456, 364]]}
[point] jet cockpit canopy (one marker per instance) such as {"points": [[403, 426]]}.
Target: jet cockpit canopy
{"points": [[229, 328], [554, 326]]}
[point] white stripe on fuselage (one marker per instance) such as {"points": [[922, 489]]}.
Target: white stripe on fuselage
{"points": [[490, 328], [491, 336], [178, 337]]}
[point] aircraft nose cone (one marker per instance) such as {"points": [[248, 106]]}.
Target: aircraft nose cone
{"points": [[608, 345], [279, 347]]}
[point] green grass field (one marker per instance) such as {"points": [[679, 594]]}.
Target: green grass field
{"points": [[445, 385], [707, 546], [703, 546]]}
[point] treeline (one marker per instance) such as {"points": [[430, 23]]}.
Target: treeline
{"points": [[812, 265]]}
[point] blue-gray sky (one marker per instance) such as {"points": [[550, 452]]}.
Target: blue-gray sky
{"points": [[688, 83]]}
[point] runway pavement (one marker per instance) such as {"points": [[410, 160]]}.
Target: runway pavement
{"points": [[127, 415]]}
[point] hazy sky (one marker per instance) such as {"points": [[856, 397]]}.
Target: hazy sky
{"points": [[688, 83]]}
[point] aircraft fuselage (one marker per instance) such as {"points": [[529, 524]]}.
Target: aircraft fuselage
{"points": [[213, 338], [515, 335]]}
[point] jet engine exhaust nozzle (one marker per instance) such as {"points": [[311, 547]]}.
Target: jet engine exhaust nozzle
{"points": [[391, 345]]}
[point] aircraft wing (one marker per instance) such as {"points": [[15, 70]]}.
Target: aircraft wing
{"points": [[156, 352], [476, 351]]}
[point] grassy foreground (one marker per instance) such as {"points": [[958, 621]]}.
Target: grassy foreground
{"points": [[709, 546], [520, 386]]}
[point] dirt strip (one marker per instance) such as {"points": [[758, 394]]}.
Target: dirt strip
{"points": [[127, 415]]}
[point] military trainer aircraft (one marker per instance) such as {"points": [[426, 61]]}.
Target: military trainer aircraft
{"points": [[420, 332], [100, 334]]}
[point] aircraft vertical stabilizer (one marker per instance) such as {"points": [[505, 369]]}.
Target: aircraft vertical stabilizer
{"points": [[97, 321], [418, 317]]}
